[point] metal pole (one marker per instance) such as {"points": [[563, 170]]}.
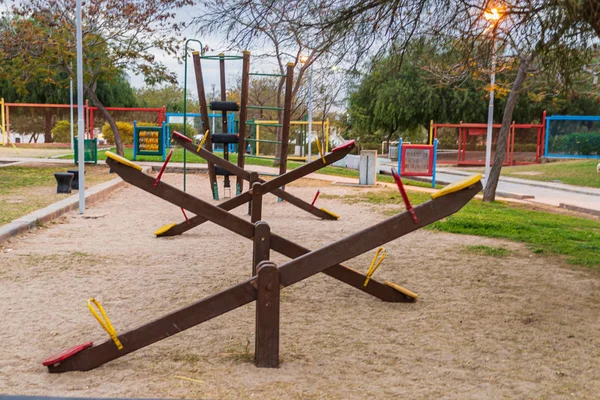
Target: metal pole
{"points": [[80, 122], [71, 99], [310, 106], [488, 144]]}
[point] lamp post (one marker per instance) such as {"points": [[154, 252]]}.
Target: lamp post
{"points": [[494, 16], [303, 60], [80, 121]]}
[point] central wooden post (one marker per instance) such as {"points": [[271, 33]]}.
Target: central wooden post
{"points": [[266, 350], [262, 244]]}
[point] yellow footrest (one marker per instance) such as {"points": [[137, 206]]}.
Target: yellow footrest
{"points": [[456, 186], [334, 215], [122, 160], [164, 229], [401, 289]]}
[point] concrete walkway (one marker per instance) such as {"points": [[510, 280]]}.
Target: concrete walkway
{"points": [[571, 197]]}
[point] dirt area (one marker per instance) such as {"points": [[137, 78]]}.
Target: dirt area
{"points": [[522, 326]]}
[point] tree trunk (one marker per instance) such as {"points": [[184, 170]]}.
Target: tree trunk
{"points": [[48, 126], [489, 193], [92, 95]]}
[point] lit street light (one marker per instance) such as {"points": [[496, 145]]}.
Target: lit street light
{"points": [[494, 16]]}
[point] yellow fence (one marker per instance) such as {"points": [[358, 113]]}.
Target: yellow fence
{"points": [[319, 124]]}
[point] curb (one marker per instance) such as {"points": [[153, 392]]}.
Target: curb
{"points": [[579, 209], [55, 210]]}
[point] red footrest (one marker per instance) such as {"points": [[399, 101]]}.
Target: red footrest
{"points": [[180, 136], [344, 145], [63, 355]]}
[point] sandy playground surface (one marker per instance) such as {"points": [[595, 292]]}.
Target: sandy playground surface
{"points": [[518, 327]]}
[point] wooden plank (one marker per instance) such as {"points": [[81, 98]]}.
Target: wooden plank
{"points": [[161, 328], [354, 245], [266, 348]]}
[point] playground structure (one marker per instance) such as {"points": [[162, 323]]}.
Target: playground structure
{"points": [[150, 140], [470, 142], [229, 137], [417, 160], [267, 279], [572, 136]]}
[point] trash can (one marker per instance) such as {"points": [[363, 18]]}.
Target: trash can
{"points": [[90, 151]]}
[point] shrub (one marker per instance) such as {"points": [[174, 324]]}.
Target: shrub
{"points": [[61, 133], [125, 129], [190, 131], [585, 144]]}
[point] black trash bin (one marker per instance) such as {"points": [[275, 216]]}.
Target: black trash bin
{"points": [[63, 180]]}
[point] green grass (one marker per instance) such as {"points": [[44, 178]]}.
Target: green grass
{"points": [[192, 158], [25, 189], [577, 239], [579, 172], [489, 251]]}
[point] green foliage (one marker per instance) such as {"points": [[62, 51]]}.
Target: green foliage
{"points": [[402, 93], [125, 130], [585, 144], [190, 131], [170, 96], [61, 133]]}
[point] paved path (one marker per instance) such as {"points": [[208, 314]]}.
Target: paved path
{"points": [[576, 198]]}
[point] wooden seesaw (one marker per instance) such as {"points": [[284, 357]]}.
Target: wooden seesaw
{"points": [[265, 286], [252, 196]]}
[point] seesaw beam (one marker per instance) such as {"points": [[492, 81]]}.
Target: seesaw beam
{"points": [[245, 228], [291, 272]]}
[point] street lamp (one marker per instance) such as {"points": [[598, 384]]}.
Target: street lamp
{"points": [[494, 16], [303, 60]]}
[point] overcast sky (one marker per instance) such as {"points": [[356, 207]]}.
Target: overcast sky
{"points": [[210, 68]]}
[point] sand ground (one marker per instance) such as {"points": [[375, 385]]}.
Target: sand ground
{"points": [[522, 326]]}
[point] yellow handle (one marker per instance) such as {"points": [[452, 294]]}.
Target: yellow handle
{"points": [[320, 150], [375, 264], [203, 140], [104, 321]]}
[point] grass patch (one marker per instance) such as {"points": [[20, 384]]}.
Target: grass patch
{"points": [[489, 251], [24, 189], [577, 239], [579, 172], [240, 352]]}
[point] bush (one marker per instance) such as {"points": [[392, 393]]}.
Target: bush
{"points": [[125, 129], [585, 144], [61, 133], [190, 131]]}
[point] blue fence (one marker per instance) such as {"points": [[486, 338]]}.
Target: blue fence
{"points": [[572, 136]]}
